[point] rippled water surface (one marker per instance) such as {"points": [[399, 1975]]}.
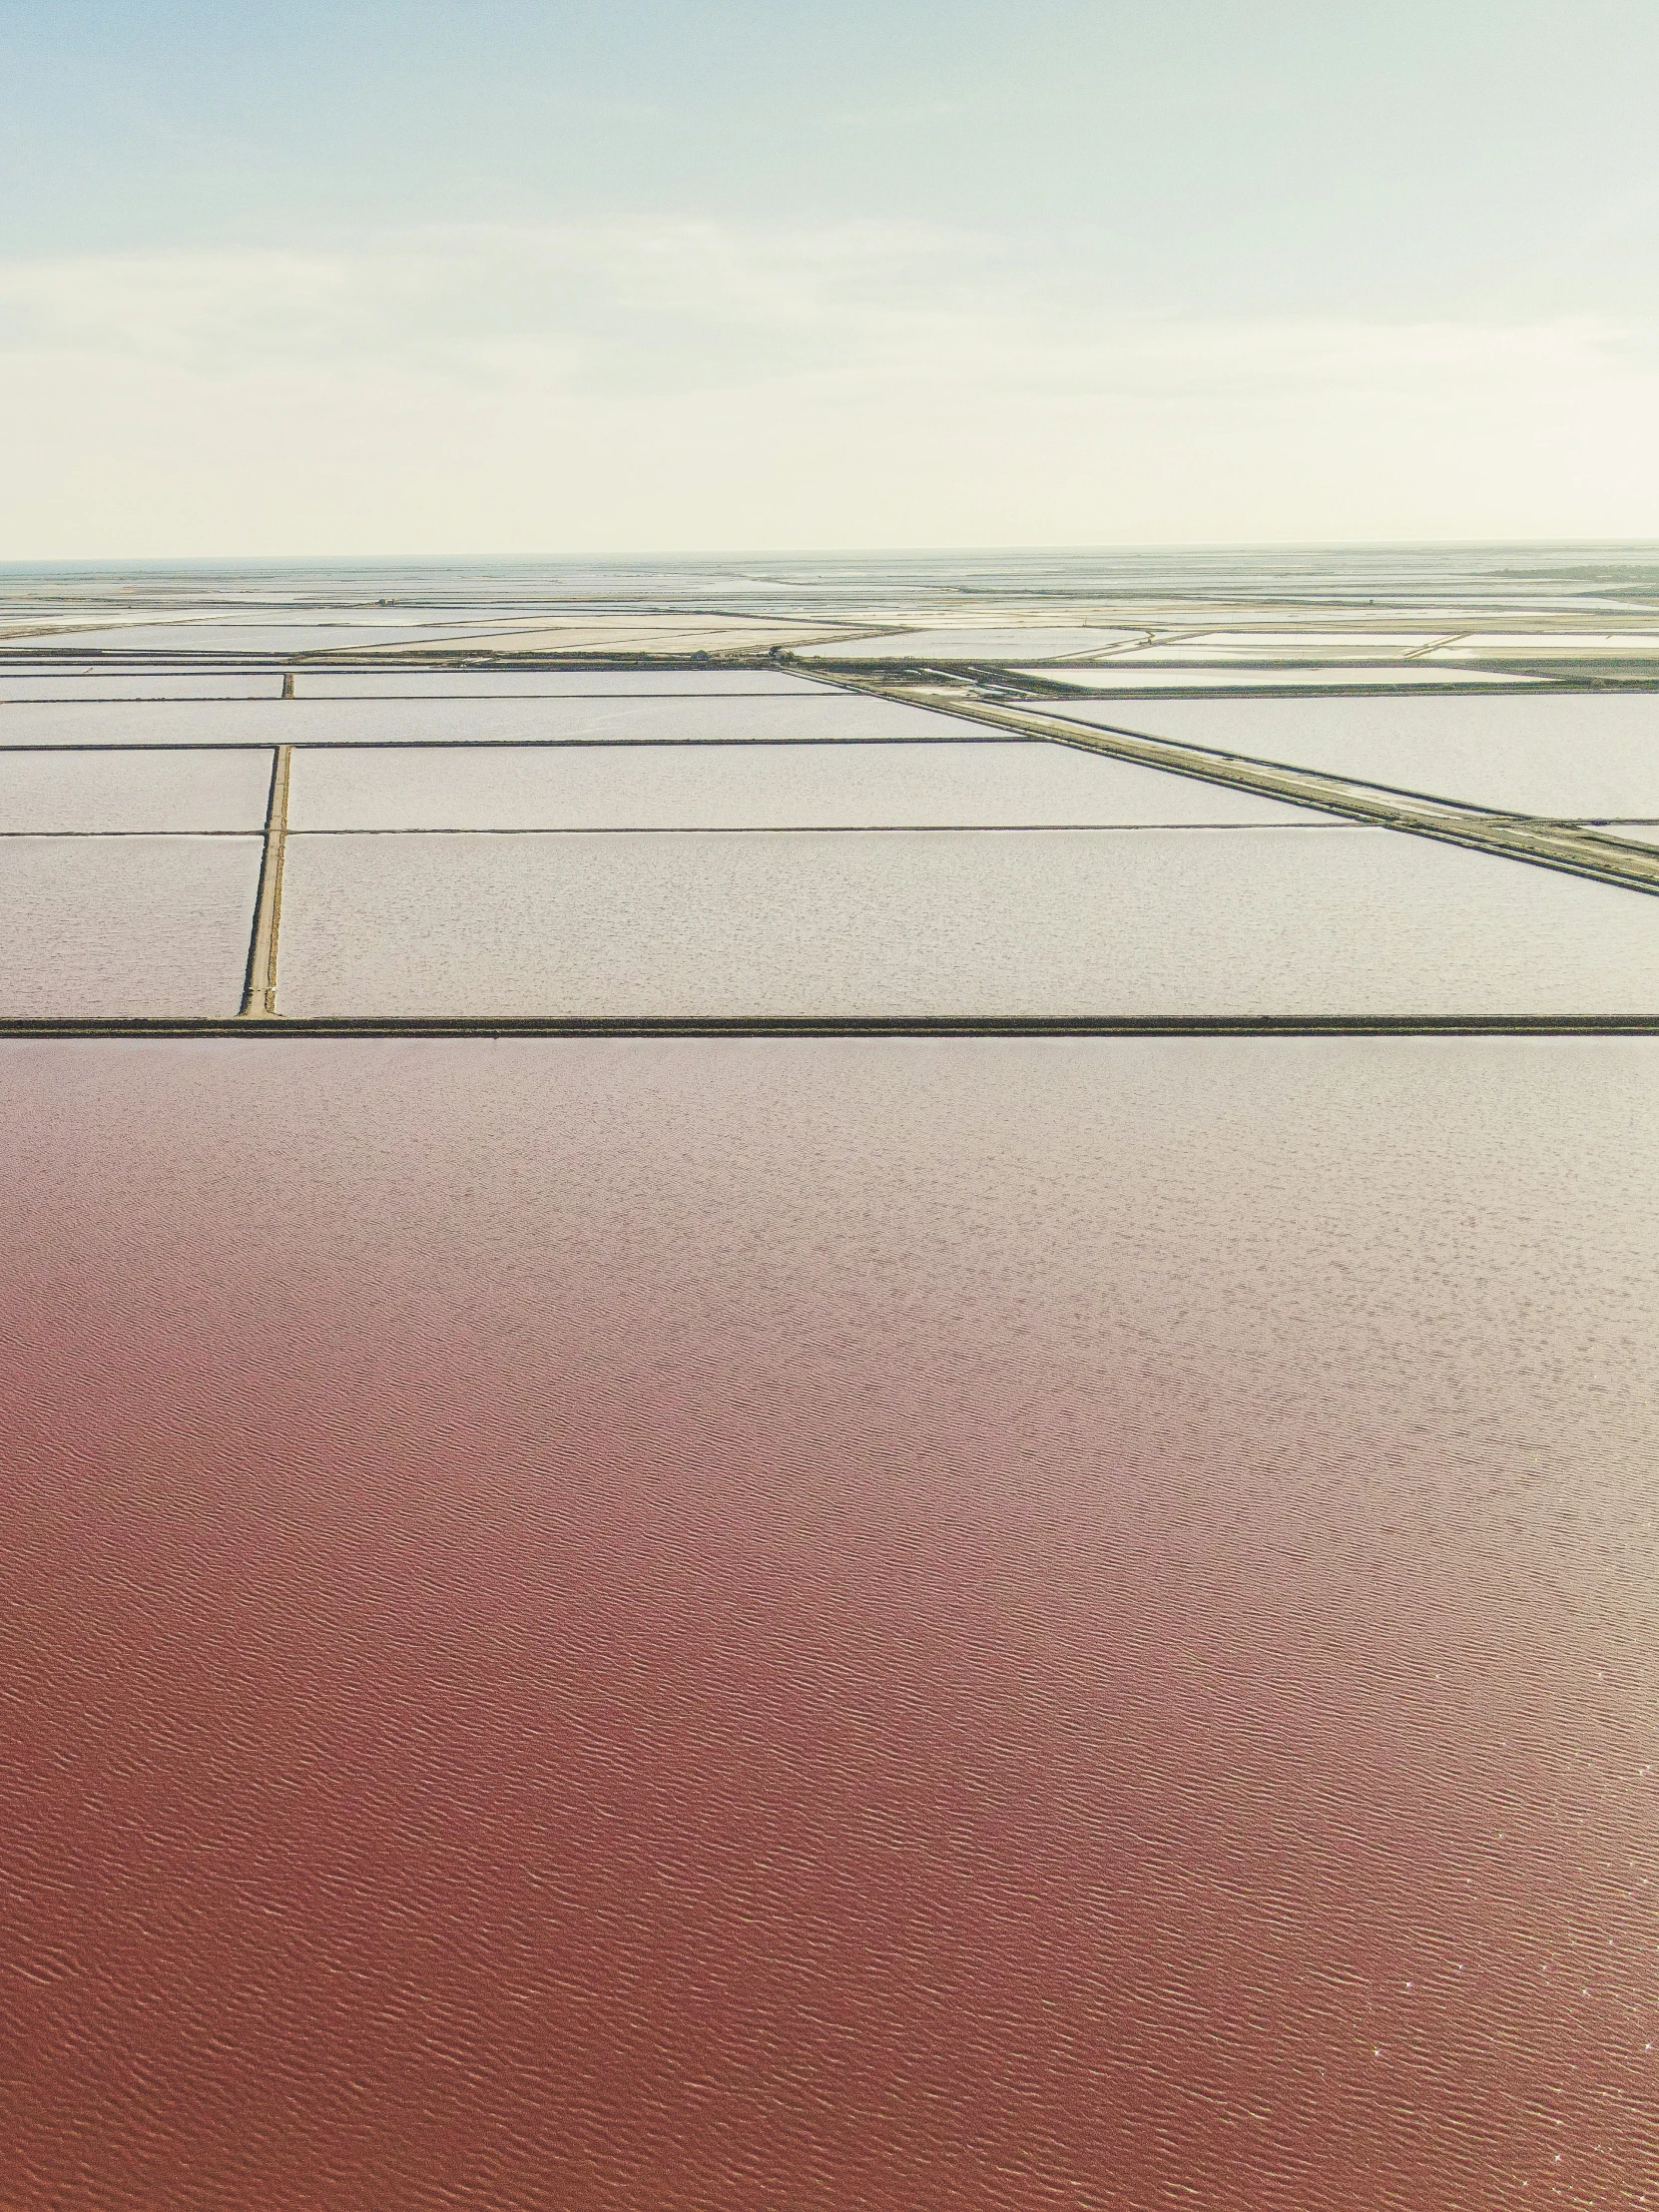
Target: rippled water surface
{"points": [[800, 1625]]}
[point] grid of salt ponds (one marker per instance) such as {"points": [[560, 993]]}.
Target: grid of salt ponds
{"points": [[43, 686], [705, 850]]}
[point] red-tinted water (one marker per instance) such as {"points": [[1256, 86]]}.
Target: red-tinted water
{"points": [[802, 1625]]}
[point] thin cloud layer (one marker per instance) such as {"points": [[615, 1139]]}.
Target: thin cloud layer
{"points": [[586, 386]]}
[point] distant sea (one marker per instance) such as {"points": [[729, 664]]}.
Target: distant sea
{"points": [[1586, 579]]}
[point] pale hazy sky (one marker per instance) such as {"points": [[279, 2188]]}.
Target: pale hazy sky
{"points": [[505, 278]]}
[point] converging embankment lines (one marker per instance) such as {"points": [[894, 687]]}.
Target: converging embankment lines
{"points": [[1569, 849], [258, 997]]}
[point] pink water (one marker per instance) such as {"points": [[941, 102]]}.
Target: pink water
{"points": [[800, 1625]]}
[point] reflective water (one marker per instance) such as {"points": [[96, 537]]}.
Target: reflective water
{"points": [[1569, 754], [631, 786], [691, 718], [899, 1625], [59, 790], [50, 685], [1149, 922], [114, 925], [548, 682]]}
